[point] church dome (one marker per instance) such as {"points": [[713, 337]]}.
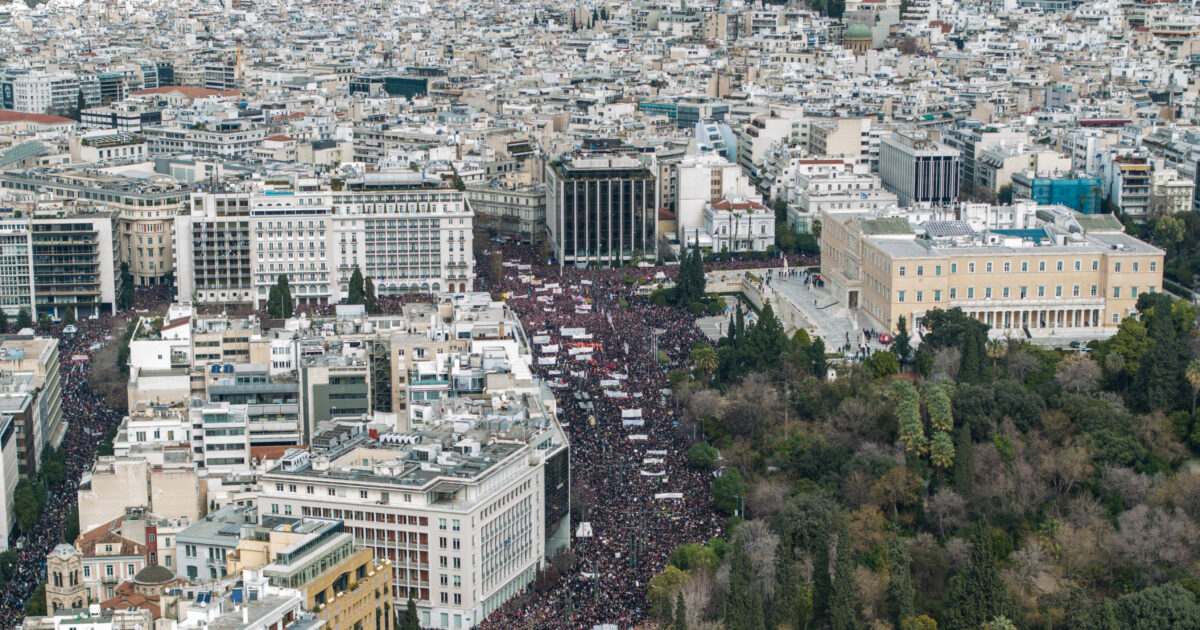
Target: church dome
{"points": [[858, 31]]}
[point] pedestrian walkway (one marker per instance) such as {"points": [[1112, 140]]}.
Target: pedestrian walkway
{"points": [[836, 324]]}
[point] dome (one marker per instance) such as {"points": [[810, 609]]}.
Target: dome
{"points": [[63, 549], [154, 574], [858, 31]]}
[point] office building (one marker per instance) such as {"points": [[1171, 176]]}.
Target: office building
{"points": [[601, 210], [918, 169], [1081, 193]]}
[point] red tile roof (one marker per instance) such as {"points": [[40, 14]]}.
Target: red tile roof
{"points": [[281, 138], [725, 204], [8, 115], [268, 452], [187, 91]]}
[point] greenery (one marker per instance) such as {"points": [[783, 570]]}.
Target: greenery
{"points": [[407, 619], [959, 483], [125, 295], [280, 304], [690, 281], [357, 294], [28, 501], [24, 319], [36, 606]]}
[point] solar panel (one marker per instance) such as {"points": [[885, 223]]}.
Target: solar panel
{"points": [[948, 228]]}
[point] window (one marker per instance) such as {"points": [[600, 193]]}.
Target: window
{"points": [[987, 292], [129, 570], [1004, 292], [308, 489], [1024, 265], [970, 293], [1075, 291], [1135, 267], [1007, 266], [1153, 267], [1116, 292], [1058, 291], [441, 523], [953, 267], [1150, 289], [332, 491], [988, 267], [937, 270], [1042, 290], [920, 270], [937, 296], [953, 293], [970, 267], [1117, 267], [1078, 265], [1114, 318], [902, 270], [920, 296], [108, 570], [1024, 292], [900, 294], [1041, 265], [455, 525], [362, 494], [1095, 290], [1095, 265], [1133, 292], [1059, 267]]}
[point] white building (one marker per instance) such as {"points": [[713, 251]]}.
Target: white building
{"points": [[704, 178], [8, 477], [734, 225], [834, 191], [408, 239]]}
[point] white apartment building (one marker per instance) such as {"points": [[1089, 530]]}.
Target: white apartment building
{"points": [[228, 138], [834, 191], [704, 178], [234, 246], [734, 225], [42, 92]]}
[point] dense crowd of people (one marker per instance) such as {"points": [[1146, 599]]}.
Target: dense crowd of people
{"points": [[88, 420], [633, 531]]}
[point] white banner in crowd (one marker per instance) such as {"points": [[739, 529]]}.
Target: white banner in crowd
{"points": [[652, 460], [615, 394], [633, 423], [547, 360], [550, 349], [540, 340], [639, 436], [571, 332], [608, 382], [656, 452], [653, 474], [631, 413], [669, 495]]}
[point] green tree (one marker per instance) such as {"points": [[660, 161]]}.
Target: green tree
{"points": [[53, 469], [743, 605], [786, 605], [680, 613], [279, 299], [882, 364], [357, 294], [964, 464], [822, 584], [408, 618], [71, 527], [1168, 233], [36, 606], [977, 594], [1166, 606], [902, 343], [703, 456], [900, 590], [705, 358], [3, 321], [28, 500], [1161, 382], [369, 299], [44, 320], [843, 601], [126, 296], [8, 564], [729, 492], [24, 319]]}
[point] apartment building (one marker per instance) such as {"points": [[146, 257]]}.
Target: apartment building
{"points": [[145, 207], [341, 581], [57, 260], [408, 238], [704, 178], [601, 210], [509, 210], [9, 476], [1050, 271], [226, 138], [31, 392]]}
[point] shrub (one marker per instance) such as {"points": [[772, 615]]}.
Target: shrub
{"points": [[703, 456], [695, 308]]}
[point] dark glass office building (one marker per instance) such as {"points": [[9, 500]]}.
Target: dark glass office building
{"points": [[601, 210]]}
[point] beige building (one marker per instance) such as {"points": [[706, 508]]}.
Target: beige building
{"points": [[1055, 271], [169, 488], [31, 391]]}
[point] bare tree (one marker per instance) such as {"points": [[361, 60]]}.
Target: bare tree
{"points": [[766, 498], [946, 362], [1020, 364], [1132, 487], [705, 403], [760, 544], [1078, 373], [1155, 541], [947, 510]]}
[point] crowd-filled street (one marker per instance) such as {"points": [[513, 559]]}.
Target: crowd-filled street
{"points": [[620, 417]]}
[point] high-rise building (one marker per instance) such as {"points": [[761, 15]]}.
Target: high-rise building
{"points": [[31, 392], [601, 210], [918, 169]]}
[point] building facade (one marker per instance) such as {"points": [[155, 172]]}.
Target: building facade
{"points": [[601, 210], [918, 169]]}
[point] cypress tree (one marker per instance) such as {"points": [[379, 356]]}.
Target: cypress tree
{"points": [[977, 595], [843, 601], [900, 586], [964, 465], [902, 344], [680, 613], [369, 299], [356, 294], [4, 325], [821, 582], [785, 608], [743, 608]]}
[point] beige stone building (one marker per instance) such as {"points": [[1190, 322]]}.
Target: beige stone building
{"points": [[1053, 272]]}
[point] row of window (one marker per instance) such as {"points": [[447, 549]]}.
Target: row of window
{"points": [[1007, 267], [1024, 292]]}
